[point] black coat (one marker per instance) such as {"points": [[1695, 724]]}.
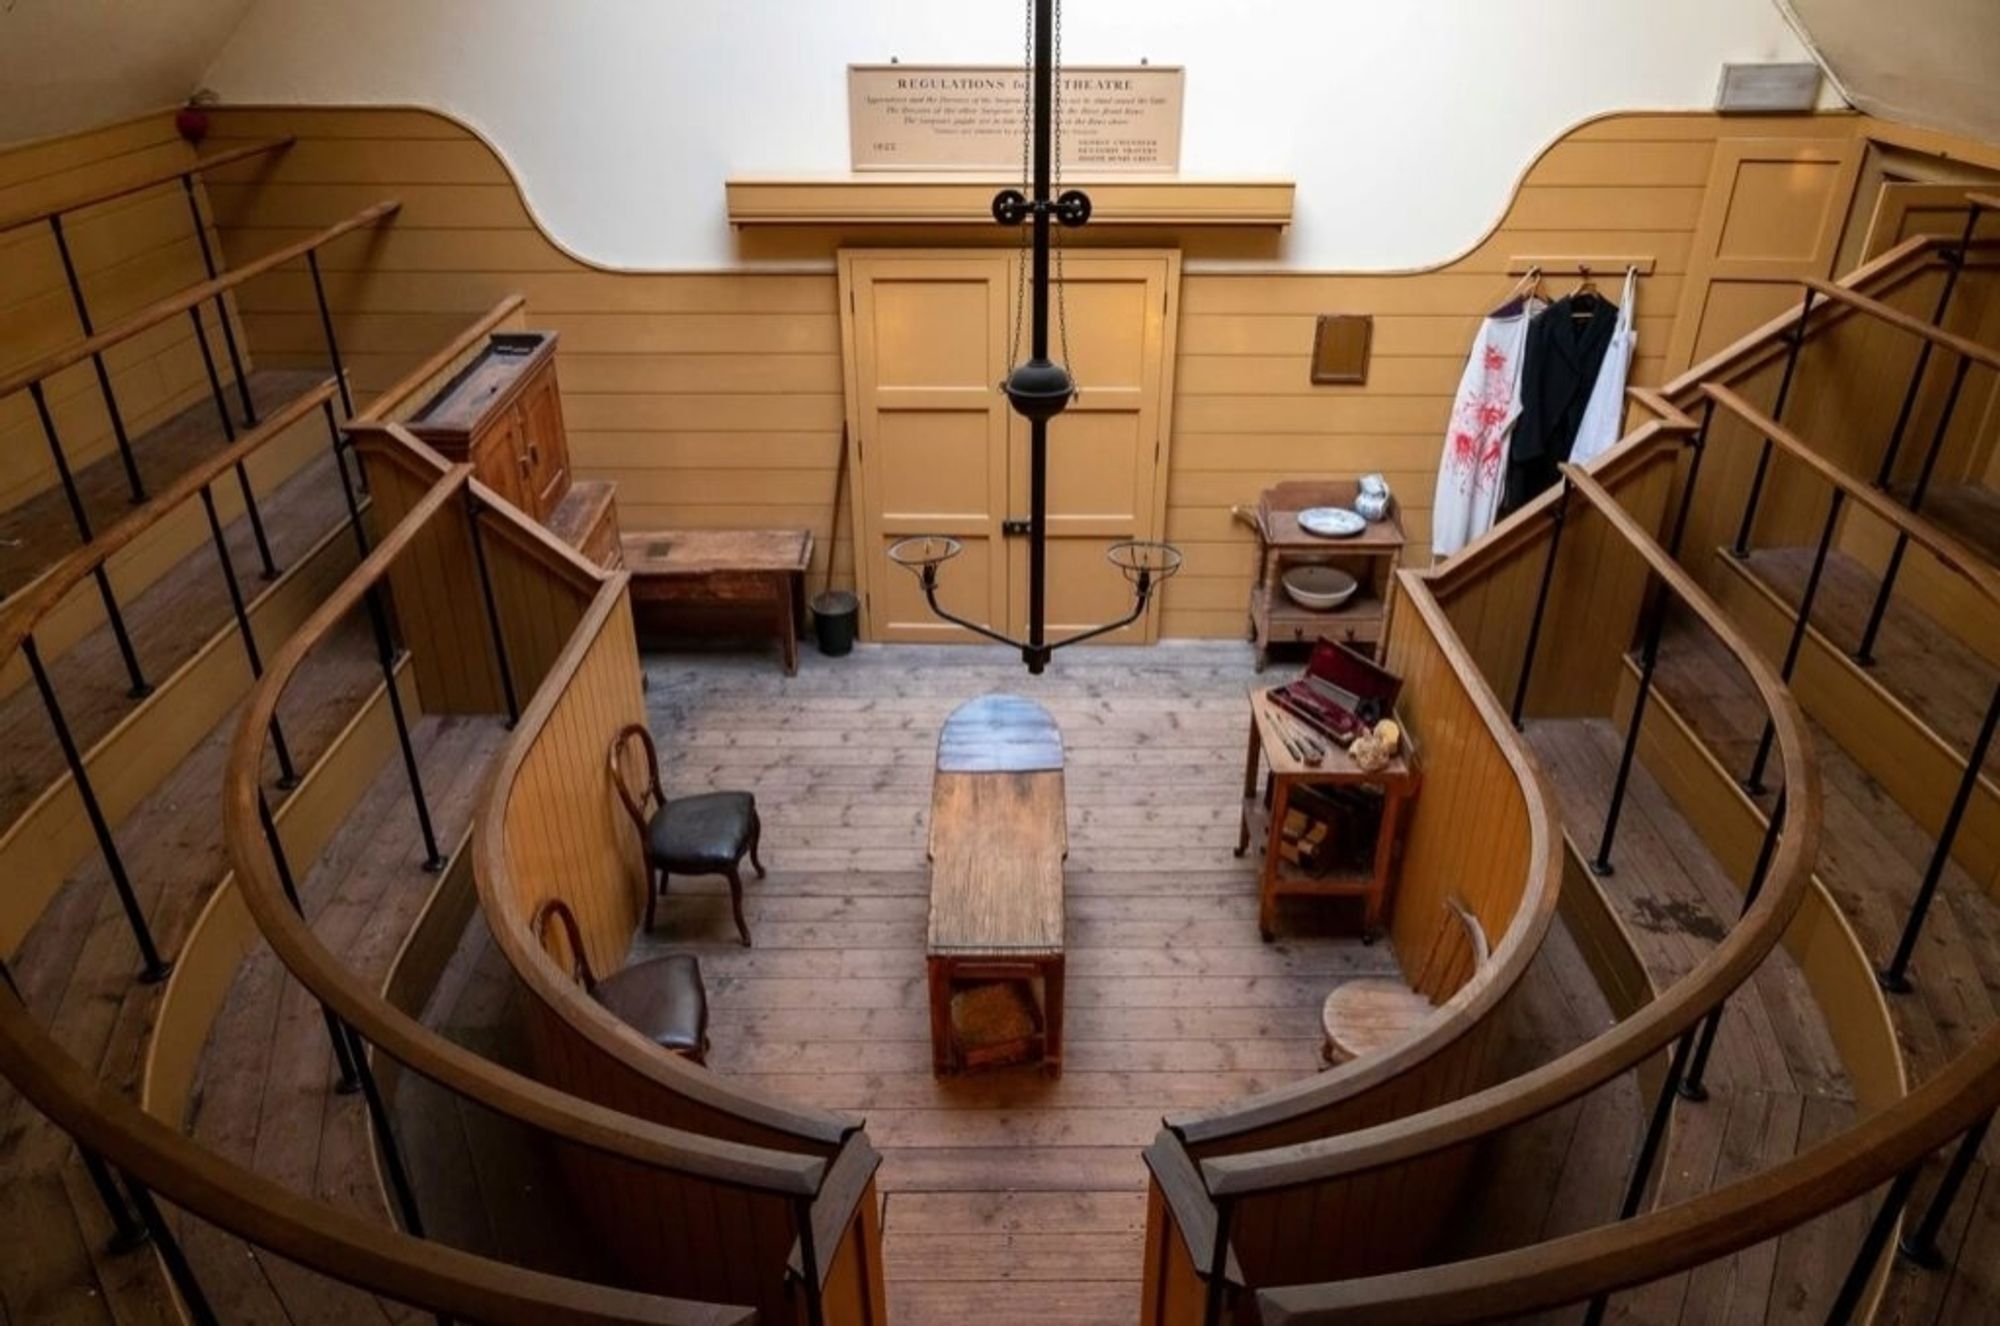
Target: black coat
{"points": [[1559, 367]]}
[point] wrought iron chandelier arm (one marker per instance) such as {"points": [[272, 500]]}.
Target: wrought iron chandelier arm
{"points": [[929, 583], [1138, 610]]}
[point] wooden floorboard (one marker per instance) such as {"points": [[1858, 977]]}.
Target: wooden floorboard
{"points": [[1872, 856], [1009, 1197], [41, 531], [76, 970]]}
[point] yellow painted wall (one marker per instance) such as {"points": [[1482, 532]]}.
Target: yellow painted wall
{"points": [[129, 253], [714, 398]]}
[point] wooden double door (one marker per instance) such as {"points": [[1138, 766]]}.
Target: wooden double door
{"points": [[928, 335]]}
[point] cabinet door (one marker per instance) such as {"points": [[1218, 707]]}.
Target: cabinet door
{"points": [[500, 460], [541, 425]]}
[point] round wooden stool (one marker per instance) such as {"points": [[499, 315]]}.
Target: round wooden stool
{"points": [[1362, 1017]]}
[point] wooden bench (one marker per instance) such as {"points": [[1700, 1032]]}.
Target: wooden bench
{"points": [[761, 570], [1370, 1015]]}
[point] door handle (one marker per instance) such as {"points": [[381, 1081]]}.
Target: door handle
{"points": [[1016, 527]]}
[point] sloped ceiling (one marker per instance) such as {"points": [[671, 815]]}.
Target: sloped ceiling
{"points": [[72, 64], [1934, 63]]}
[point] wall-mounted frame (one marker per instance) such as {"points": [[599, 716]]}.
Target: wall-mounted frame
{"points": [[1340, 349]]}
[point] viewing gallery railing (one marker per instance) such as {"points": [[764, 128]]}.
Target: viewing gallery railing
{"points": [[1371, 1198], [802, 1221], [53, 215], [1894, 1142]]}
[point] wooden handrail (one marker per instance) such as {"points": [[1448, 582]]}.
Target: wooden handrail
{"points": [[1481, 994], [326, 1238], [492, 868], [27, 608], [164, 175], [1909, 322], [154, 314], [1955, 556], [381, 1024], [1985, 202], [1647, 1030], [1672, 418], [437, 363], [1673, 1238]]}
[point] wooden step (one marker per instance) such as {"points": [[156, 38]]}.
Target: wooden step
{"points": [[587, 520], [76, 968], [34, 534]]}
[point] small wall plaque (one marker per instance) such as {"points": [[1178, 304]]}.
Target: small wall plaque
{"points": [[1340, 349]]}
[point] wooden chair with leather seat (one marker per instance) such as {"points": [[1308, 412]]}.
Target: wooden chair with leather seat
{"points": [[661, 998], [708, 833]]}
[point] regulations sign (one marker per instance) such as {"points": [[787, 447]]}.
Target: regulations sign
{"points": [[969, 117]]}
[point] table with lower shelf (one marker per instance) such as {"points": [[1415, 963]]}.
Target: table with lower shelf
{"points": [[1264, 808], [998, 838]]}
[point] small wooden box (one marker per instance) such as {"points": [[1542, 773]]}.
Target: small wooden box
{"points": [[503, 414]]}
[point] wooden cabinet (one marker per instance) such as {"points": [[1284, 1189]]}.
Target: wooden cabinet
{"points": [[503, 413]]}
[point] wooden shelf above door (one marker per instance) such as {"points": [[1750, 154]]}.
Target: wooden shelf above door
{"points": [[950, 200]]}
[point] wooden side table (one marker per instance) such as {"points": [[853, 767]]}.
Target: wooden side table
{"points": [[999, 836], [1371, 557], [735, 568], [1280, 878]]}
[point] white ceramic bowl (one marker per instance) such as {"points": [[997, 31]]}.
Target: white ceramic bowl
{"points": [[1331, 522], [1319, 588]]}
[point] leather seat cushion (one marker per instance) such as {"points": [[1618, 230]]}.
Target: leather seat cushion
{"points": [[700, 834], [662, 999]]}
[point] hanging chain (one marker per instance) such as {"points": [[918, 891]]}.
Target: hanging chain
{"points": [[1055, 189], [1027, 173]]}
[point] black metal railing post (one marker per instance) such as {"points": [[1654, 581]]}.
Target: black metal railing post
{"points": [[1869, 1254], [179, 1270], [139, 689], [1895, 977], [1921, 1244], [1649, 659], [1692, 1086], [1796, 343], [229, 435], [1753, 782], [132, 479], [221, 303], [288, 774], [1649, 1149], [1954, 264], [340, 450], [1864, 652], [385, 1135], [1558, 514], [155, 969], [281, 862], [385, 653], [473, 508], [332, 341]]}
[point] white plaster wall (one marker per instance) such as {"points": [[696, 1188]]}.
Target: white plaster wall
{"points": [[1405, 122], [74, 64]]}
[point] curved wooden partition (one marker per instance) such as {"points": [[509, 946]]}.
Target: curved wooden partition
{"points": [[1369, 1196], [326, 1238], [802, 1242]]}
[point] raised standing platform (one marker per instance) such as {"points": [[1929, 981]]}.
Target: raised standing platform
{"points": [[77, 970], [1872, 856], [40, 531]]}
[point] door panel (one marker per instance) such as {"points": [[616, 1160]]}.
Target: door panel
{"points": [[926, 342], [1773, 214], [939, 451], [1107, 452]]}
